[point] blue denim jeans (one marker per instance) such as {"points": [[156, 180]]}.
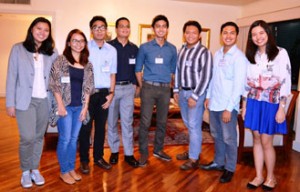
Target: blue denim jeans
{"points": [[225, 136], [192, 118], [122, 104], [68, 130]]}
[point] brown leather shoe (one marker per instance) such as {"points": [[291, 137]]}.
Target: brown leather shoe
{"points": [[84, 167], [103, 164], [189, 164], [183, 156], [66, 177]]}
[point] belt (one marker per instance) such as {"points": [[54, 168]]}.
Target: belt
{"points": [[158, 84], [102, 90], [123, 82], [188, 88]]}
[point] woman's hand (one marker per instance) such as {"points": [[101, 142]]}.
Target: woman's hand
{"points": [[61, 111], [280, 115], [11, 111], [83, 113]]}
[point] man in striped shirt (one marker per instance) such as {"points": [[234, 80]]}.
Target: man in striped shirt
{"points": [[193, 74]]}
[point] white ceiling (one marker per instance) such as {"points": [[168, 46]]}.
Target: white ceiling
{"points": [[222, 2]]}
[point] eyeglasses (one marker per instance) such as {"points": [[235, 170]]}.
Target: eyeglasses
{"points": [[75, 41], [99, 28]]}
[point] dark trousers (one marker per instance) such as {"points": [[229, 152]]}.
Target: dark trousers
{"points": [[153, 96], [99, 117]]}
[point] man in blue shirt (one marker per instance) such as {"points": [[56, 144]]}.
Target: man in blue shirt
{"points": [[103, 56], [157, 59], [223, 101], [123, 101]]}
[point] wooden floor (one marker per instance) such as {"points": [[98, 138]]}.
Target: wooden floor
{"points": [[158, 176]]}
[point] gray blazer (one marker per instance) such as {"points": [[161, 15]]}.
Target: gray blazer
{"points": [[20, 76]]}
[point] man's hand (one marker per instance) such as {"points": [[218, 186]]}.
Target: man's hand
{"points": [[109, 99], [176, 97], [192, 103], [226, 116], [206, 103]]}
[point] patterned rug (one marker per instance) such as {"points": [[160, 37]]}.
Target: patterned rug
{"points": [[176, 134]]}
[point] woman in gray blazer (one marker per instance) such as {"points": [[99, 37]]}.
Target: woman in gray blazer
{"points": [[27, 96]]}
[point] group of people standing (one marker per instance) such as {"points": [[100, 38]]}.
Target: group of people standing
{"points": [[95, 82]]}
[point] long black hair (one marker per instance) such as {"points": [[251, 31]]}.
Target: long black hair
{"points": [[271, 48], [47, 46]]}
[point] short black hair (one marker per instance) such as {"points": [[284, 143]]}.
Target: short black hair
{"points": [[192, 23], [98, 18], [158, 18], [120, 19], [230, 23]]}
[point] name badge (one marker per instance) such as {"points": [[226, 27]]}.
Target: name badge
{"points": [[159, 60], [188, 63], [222, 62], [105, 67], [65, 79], [132, 61]]}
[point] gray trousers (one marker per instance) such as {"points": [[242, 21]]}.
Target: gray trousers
{"points": [[32, 124], [153, 96]]}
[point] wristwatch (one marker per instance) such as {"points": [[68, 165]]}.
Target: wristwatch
{"points": [[111, 92]]}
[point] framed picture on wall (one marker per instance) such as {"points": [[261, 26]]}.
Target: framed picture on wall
{"points": [[111, 32], [145, 33], [205, 37]]}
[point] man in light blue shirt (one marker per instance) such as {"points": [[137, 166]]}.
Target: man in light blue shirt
{"points": [[103, 56], [223, 101], [158, 57]]}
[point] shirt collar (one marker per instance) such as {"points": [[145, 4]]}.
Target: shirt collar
{"points": [[231, 51], [94, 44]]}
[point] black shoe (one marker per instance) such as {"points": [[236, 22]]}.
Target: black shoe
{"points": [[226, 177], [114, 158], [131, 161], [255, 183], [103, 164], [84, 167], [212, 166]]}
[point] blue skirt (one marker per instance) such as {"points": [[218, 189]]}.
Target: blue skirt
{"points": [[260, 116]]}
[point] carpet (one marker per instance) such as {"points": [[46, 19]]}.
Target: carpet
{"points": [[176, 133]]}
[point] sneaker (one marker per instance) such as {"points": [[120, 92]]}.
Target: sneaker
{"points": [[162, 155], [26, 180], [37, 178], [143, 160], [212, 166]]}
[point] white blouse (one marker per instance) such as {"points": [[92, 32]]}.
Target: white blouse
{"points": [[39, 87], [269, 81]]}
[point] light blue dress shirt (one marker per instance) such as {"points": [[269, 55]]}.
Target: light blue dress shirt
{"points": [[228, 81], [158, 62], [104, 62]]}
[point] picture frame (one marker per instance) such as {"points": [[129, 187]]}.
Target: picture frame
{"points": [[145, 33], [205, 37], [111, 31]]}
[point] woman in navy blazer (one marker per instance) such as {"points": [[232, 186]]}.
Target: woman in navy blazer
{"points": [[27, 96]]}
